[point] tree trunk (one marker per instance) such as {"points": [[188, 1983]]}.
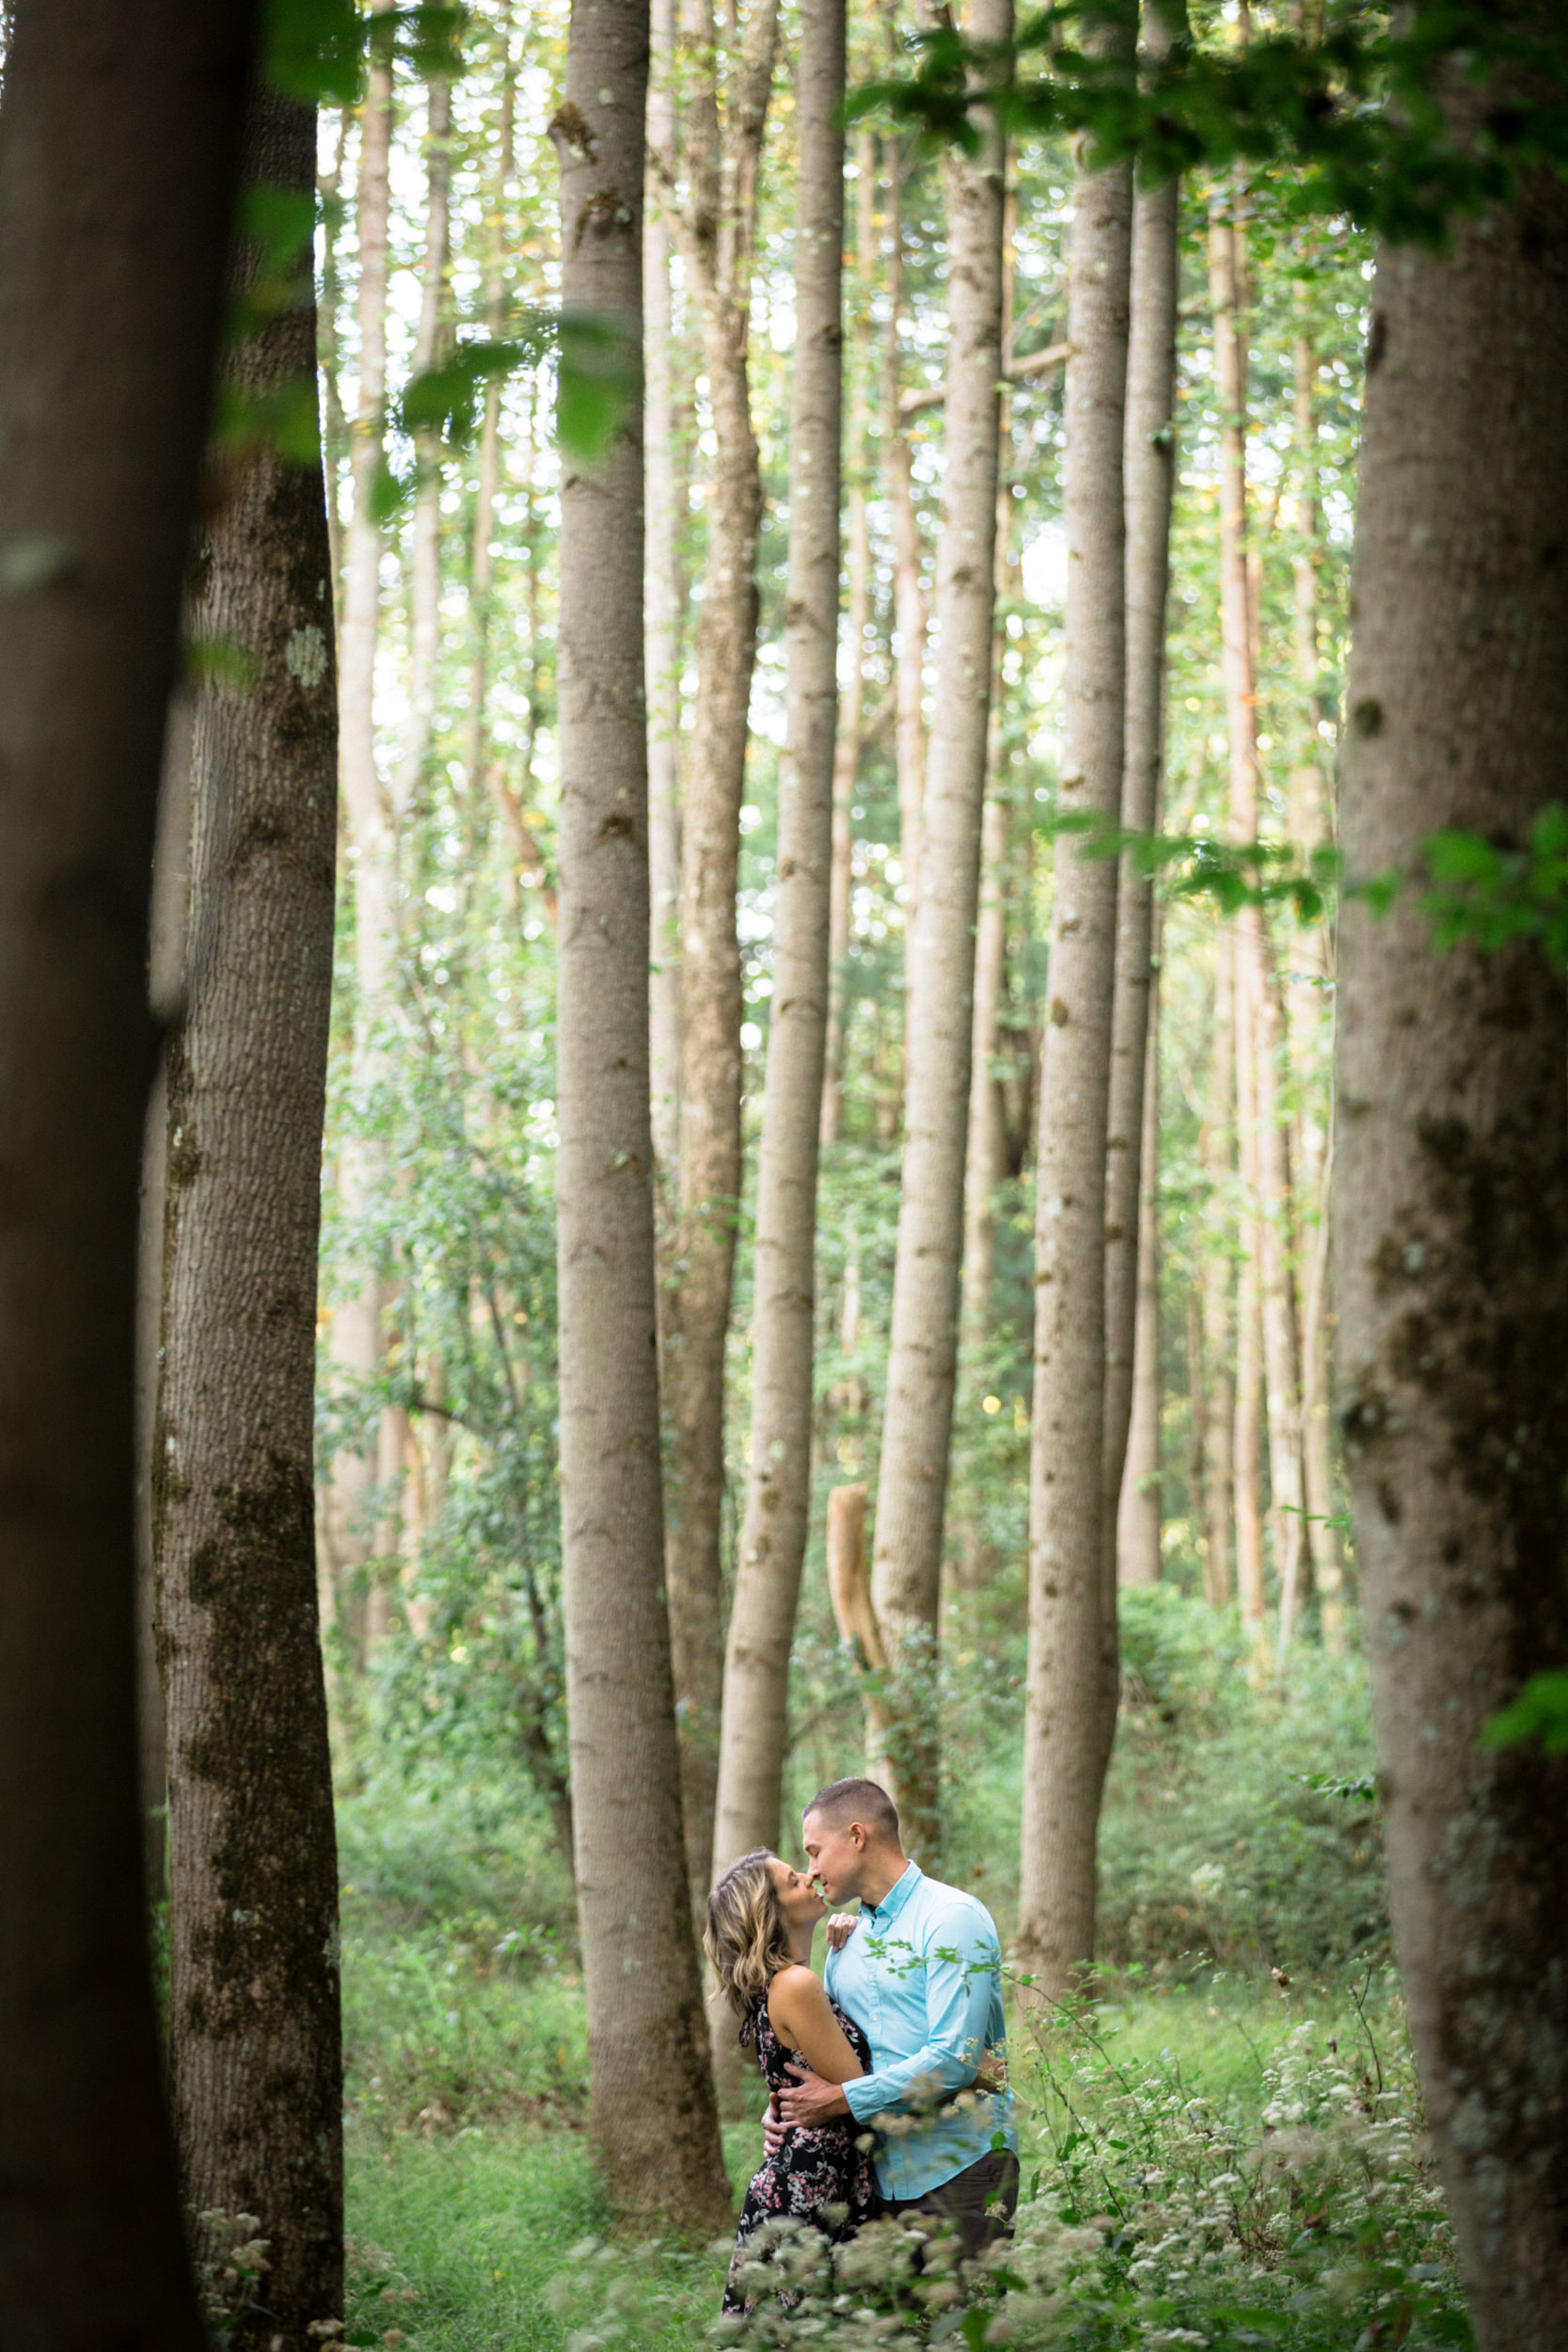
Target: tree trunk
{"points": [[720, 242], [1149, 462], [917, 1426], [355, 1333], [1267, 1293], [665, 599], [1070, 1690], [908, 596], [1135, 1531], [254, 2057], [1452, 1243], [653, 2119], [985, 1144], [424, 633], [1247, 1443], [335, 441], [849, 746], [1217, 1282], [481, 553], [1311, 818], [116, 194], [778, 1480]]}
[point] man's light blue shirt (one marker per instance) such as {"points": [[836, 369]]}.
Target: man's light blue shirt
{"points": [[922, 1977]]}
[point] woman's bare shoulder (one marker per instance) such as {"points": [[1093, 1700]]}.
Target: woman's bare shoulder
{"points": [[794, 1988]]}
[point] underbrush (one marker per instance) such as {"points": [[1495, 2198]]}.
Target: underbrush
{"points": [[462, 1996], [1291, 2205]]}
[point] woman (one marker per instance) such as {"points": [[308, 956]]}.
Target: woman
{"points": [[760, 1918]]}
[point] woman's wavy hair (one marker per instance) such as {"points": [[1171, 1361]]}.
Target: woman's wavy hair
{"points": [[746, 1938]]}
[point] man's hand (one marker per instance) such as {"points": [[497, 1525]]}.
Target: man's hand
{"points": [[774, 2132], [841, 1927], [813, 2102]]}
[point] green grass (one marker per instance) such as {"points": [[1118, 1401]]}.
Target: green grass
{"points": [[479, 2224]]}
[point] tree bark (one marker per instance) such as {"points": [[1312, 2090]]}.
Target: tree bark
{"points": [[482, 549], [778, 1480], [1452, 1241], [917, 1425], [119, 147], [355, 1331], [718, 234], [1139, 1504], [849, 743], [1265, 1170], [1150, 463], [255, 2054], [665, 598], [425, 580], [1214, 1155], [653, 2118], [1247, 1443], [909, 594], [1070, 1688]]}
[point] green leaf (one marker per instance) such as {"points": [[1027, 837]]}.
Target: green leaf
{"points": [[599, 378], [1540, 1711]]}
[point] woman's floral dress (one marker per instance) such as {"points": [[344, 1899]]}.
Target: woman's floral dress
{"points": [[816, 2169]]}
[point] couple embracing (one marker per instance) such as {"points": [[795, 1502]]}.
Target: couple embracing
{"points": [[887, 2081]]}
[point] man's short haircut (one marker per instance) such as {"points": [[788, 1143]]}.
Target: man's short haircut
{"points": [[861, 1801]]}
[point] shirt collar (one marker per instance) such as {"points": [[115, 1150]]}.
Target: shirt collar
{"points": [[896, 1897]]}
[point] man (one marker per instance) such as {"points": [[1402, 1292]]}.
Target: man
{"points": [[921, 1975]]}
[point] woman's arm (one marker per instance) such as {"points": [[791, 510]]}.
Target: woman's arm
{"points": [[803, 2015]]}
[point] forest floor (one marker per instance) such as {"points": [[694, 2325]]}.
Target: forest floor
{"points": [[479, 2223], [1224, 2149]]}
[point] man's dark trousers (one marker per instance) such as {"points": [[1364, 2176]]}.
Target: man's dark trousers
{"points": [[978, 2204]]}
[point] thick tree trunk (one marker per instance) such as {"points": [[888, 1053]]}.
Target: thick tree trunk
{"points": [[1070, 1693], [778, 1477], [851, 717], [1149, 461], [424, 582], [720, 238], [1452, 1241], [1139, 1502], [1218, 1284], [917, 1426], [116, 194], [653, 2119], [356, 1338], [255, 2057], [665, 598]]}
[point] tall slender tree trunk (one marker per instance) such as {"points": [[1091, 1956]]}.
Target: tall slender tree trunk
{"points": [[356, 1337], [1247, 1443], [720, 242], [335, 445], [1139, 1502], [1312, 821], [1217, 1280], [653, 2119], [985, 1153], [851, 718], [482, 547], [116, 194], [778, 1478], [1267, 1286], [1071, 1689], [424, 583], [917, 1425], [909, 594], [255, 2047], [665, 598], [1453, 1218], [1149, 465]]}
